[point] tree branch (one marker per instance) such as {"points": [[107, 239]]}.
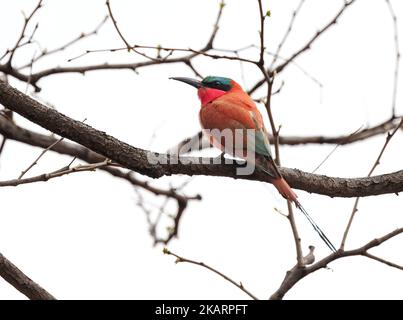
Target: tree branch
{"points": [[198, 142], [137, 159], [46, 53], [115, 24], [35, 77], [389, 137], [22, 34], [13, 132], [180, 259], [15, 277], [306, 47], [397, 54], [287, 33], [296, 273], [58, 173], [388, 263]]}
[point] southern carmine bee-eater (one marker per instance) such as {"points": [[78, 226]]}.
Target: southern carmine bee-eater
{"points": [[226, 106]]}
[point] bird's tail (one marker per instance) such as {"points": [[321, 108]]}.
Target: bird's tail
{"points": [[316, 227], [286, 191]]}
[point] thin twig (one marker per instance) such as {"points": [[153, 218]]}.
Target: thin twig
{"points": [[333, 150], [35, 77], [389, 136], [294, 275], [191, 66], [275, 132], [30, 73], [287, 33], [390, 264], [83, 35], [307, 46], [397, 53], [22, 34], [261, 33], [40, 156], [172, 193], [202, 52], [3, 143], [115, 24], [58, 173], [297, 239], [203, 265]]}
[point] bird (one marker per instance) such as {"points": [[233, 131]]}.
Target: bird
{"points": [[226, 106]]}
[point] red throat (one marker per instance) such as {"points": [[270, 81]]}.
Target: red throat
{"points": [[207, 95]]}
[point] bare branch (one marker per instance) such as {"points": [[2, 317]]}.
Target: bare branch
{"points": [[37, 159], [128, 46], [15, 277], [171, 50], [180, 259], [210, 42], [115, 24], [275, 131], [22, 35], [2, 144], [261, 33], [331, 152], [82, 36], [197, 141], [389, 136], [306, 47], [138, 159], [388, 263], [397, 53], [7, 115], [296, 274], [35, 77], [13, 132], [58, 173], [294, 229], [287, 33], [182, 203]]}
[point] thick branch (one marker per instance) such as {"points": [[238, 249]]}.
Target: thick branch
{"points": [[138, 159], [13, 132], [15, 277]]}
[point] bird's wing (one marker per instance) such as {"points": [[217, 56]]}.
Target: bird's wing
{"points": [[235, 112], [239, 115], [262, 144]]}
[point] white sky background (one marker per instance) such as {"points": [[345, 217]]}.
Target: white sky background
{"points": [[82, 236]]}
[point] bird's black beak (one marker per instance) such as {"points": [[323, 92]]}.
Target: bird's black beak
{"points": [[195, 83]]}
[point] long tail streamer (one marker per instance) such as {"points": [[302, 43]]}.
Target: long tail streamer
{"points": [[316, 227]]}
